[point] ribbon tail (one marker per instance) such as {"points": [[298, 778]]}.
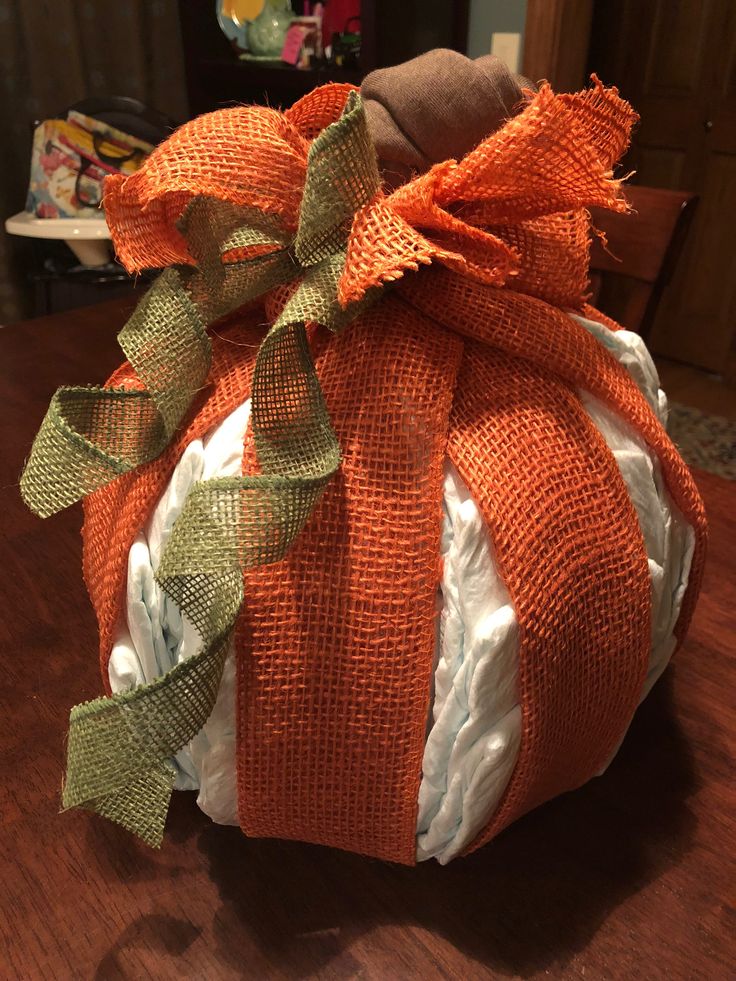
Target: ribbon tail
{"points": [[120, 748], [140, 808]]}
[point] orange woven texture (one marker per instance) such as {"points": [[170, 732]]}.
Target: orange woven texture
{"points": [[560, 242], [528, 328], [319, 108], [571, 554], [249, 155], [336, 642], [115, 514], [223, 155], [513, 207], [510, 208]]}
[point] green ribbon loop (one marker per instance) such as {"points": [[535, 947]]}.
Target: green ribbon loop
{"points": [[119, 748]]}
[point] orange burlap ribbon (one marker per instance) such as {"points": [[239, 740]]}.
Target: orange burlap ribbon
{"points": [[475, 360]]}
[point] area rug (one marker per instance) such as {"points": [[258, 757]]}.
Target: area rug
{"points": [[705, 441]]}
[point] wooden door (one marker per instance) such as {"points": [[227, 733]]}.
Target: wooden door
{"points": [[556, 41], [675, 61]]}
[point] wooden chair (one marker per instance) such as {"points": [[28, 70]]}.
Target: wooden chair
{"points": [[629, 276]]}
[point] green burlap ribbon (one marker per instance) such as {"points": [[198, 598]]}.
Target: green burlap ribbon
{"points": [[120, 748]]}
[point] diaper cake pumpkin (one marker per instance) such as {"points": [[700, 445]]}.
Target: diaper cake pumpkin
{"points": [[383, 529]]}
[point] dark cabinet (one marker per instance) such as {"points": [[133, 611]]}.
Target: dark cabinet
{"points": [[392, 32]]}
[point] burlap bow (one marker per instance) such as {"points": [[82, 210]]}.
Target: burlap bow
{"points": [[320, 219]]}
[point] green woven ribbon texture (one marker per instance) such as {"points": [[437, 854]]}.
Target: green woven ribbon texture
{"points": [[119, 748]]}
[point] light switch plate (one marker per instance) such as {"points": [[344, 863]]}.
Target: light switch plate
{"points": [[507, 47]]}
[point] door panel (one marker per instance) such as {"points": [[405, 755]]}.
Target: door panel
{"points": [[700, 330], [675, 60], [660, 167], [676, 48]]}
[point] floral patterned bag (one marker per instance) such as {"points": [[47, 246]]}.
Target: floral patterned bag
{"points": [[71, 158]]}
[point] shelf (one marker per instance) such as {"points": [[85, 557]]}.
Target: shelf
{"points": [[283, 77]]}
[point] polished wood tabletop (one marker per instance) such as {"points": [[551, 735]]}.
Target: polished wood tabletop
{"points": [[630, 877]]}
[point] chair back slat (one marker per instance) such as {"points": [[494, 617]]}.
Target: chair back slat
{"points": [[642, 248]]}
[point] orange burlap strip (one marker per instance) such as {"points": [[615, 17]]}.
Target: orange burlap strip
{"points": [[570, 551], [336, 642], [609, 646], [528, 328]]}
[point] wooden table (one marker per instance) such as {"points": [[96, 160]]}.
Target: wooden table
{"points": [[632, 876]]}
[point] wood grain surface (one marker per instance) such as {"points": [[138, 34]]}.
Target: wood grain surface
{"points": [[630, 877]]}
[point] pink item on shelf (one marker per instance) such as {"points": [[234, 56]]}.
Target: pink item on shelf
{"points": [[303, 42], [293, 42]]}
